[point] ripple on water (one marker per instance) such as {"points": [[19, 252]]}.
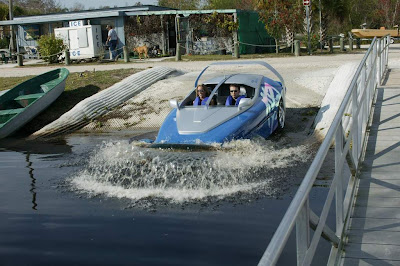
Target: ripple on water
{"points": [[131, 171]]}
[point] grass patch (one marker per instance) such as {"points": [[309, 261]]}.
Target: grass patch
{"points": [[101, 79], [76, 63], [8, 83], [78, 87]]}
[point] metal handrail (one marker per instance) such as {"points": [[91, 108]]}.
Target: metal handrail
{"points": [[347, 131]]}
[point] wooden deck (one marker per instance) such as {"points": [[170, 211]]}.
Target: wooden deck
{"points": [[374, 233]]}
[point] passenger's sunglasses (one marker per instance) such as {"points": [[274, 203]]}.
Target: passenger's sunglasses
{"points": [[200, 91]]}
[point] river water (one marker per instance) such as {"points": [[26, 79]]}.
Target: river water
{"points": [[101, 200]]}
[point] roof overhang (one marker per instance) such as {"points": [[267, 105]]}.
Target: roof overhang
{"points": [[69, 16], [60, 17], [181, 12], [107, 13]]}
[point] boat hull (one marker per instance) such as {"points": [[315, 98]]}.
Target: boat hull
{"points": [[245, 125]]}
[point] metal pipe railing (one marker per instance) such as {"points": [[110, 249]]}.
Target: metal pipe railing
{"points": [[348, 131]]}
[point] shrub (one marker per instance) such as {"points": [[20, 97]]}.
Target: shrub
{"points": [[4, 43], [50, 47], [314, 41]]}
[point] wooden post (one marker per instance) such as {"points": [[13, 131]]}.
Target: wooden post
{"points": [[235, 39], [297, 48], [163, 36], [350, 44], [126, 54], [12, 37], [67, 58], [20, 60], [358, 43], [308, 29], [237, 54], [178, 56], [342, 44], [331, 45]]}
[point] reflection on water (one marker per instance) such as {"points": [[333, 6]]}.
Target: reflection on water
{"points": [[132, 171], [33, 182]]}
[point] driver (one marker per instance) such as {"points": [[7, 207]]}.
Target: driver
{"points": [[234, 97]]}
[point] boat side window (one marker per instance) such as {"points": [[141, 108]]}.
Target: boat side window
{"points": [[188, 101], [249, 91]]}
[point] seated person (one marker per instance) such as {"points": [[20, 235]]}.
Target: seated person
{"points": [[202, 93], [234, 97]]}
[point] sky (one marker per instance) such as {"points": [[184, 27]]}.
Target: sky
{"points": [[98, 3]]}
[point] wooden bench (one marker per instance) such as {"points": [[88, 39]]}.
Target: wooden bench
{"points": [[6, 115], [11, 111], [29, 96], [48, 85], [25, 100]]}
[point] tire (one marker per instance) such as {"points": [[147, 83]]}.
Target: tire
{"points": [[281, 116]]}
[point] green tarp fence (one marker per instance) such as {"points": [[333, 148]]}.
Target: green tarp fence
{"points": [[252, 32]]}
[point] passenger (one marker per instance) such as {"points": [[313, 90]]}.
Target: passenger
{"points": [[202, 93], [234, 97]]}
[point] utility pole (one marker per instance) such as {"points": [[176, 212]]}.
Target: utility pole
{"points": [[320, 25], [12, 43], [307, 4]]}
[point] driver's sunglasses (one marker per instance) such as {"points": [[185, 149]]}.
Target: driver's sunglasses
{"points": [[235, 91]]}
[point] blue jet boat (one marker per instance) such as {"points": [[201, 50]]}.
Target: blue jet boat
{"points": [[261, 112]]}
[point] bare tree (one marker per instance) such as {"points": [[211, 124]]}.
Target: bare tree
{"points": [[40, 6], [77, 7], [180, 4]]}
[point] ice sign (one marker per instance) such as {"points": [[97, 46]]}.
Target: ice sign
{"points": [[77, 23], [76, 53]]}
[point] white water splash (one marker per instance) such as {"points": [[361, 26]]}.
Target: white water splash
{"points": [[134, 172]]}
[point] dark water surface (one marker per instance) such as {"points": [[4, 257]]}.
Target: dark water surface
{"points": [[44, 221]]}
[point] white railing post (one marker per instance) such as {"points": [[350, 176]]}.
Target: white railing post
{"points": [[339, 184], [303, 232], [354, 133], [371, 75], [362, 111], [387, 50], [376, 66], [383, 60], [379, 62]]}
